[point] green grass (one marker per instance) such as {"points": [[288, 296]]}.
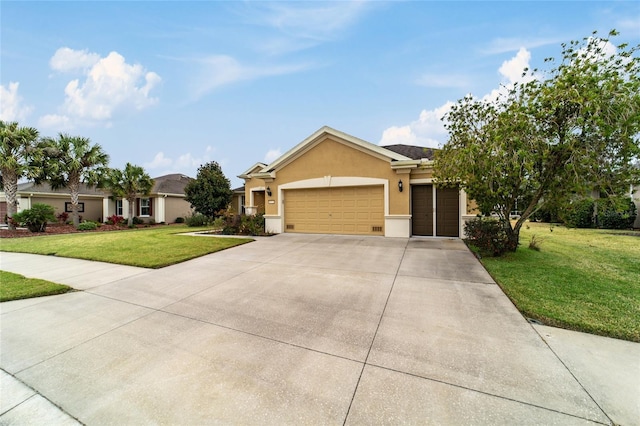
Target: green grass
{"points": [[14, 286], [581, 279], [150, 248]]}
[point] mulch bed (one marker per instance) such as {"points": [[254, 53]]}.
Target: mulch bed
{"points": [[57, 228]]}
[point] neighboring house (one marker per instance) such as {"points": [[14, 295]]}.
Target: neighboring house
{"points": [[335, 183], [238, 201], [89, 204], [165, 203]]}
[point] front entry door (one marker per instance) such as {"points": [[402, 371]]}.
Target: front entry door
{"points": [[447, 212], [422, 209]]}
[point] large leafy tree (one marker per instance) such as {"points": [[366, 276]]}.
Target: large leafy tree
{"points": [[570, 129], [71, 160], [129, 183], [210, 192], [18, 148]]}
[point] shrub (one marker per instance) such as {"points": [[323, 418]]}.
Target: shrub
{"points": [[63, 217], [252, 225], [179, 220], [578, 213], [137, 221], [115, 220], [615, 213], [197, 219], [152, 221], [488, 235], [87, 226], [35, 218]]}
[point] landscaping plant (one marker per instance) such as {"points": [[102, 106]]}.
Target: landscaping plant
{"points": [[36, 218]]}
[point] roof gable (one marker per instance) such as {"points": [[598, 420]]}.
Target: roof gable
{"points": [[257, 167], [322, 134]]}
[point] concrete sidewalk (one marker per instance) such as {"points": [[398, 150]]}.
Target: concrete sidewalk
{"points": [[300, 329]]}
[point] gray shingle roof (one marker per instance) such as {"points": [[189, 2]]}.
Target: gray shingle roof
{"points": [[411, 151], [170, 184], [46, 189]]}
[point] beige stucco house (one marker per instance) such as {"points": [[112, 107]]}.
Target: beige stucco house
{"points": [[335, 183], [164, 204]]}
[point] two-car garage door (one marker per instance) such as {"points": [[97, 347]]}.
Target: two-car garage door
{"points": [[340, 210]]}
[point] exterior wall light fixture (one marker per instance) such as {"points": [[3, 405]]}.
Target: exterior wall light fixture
{"points": [[268, 191], [400, 185]]}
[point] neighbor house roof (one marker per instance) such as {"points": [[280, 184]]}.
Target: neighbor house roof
{"points": [[45, 188], [170, 184], [411, 151]]}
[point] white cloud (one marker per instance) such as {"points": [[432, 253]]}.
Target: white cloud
{"points": [[272, 155], [55, 122], [428, 130], [311, 20], [11, 105], [513, 68], [185, 163], [108, 85], [66, 59], [158, 162], [223, 70]]}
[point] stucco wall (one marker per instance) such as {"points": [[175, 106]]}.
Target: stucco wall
{"points": [[92, 206], [175, 207]]}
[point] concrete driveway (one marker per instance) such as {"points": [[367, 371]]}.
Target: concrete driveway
{"points": [[292, 329]]}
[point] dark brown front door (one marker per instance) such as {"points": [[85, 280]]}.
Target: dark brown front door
{"points": [[422, 209], [447, 212]]}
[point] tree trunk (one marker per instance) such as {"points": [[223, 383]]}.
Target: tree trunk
{"points": [[10, 183], [131, 202], [513, 236], [74, 188]]}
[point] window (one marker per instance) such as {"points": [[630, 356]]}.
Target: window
{"points": [[119, 208], [68, 207], [145, 207]]}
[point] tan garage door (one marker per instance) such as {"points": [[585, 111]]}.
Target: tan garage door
{"points": [[345, 210]]}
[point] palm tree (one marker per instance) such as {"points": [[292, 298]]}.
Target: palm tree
{"points": [[72, 160], [129, 184], [18, 147]]}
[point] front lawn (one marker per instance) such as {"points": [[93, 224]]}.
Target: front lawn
{"points": [[146, 247], [582, 279], [14, 286]]}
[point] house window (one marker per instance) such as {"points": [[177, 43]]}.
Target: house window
{"points": [[119, 208], [69, 208], [145, 207]]}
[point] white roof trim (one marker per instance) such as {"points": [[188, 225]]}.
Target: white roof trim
{"points": [[326, 130], [255, 168]]}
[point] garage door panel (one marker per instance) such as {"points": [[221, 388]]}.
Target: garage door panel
{"points": [[347, 210]]}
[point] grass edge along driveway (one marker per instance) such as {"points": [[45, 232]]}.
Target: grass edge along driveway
{"points": [[146, 247], [581, 279], [16, 286]]}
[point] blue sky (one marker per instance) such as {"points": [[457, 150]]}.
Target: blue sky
{"points": [[172, 85]]}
